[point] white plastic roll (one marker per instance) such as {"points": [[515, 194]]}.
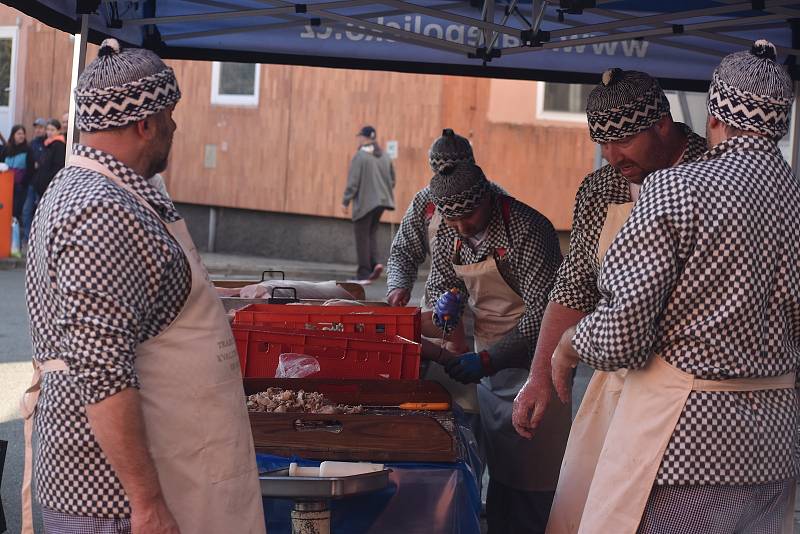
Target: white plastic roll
{"points": [[346, 469], [297, 471]]}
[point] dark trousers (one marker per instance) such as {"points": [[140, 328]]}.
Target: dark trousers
{"points": [[513, 511], [366, 230], [20, 191]]}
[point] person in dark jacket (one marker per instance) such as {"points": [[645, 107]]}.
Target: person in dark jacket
{"points": [[370, 186], [52, 161], [31, 197], [19, 159]]}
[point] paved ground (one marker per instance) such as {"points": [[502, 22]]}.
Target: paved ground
{"points": [[15, 351]]}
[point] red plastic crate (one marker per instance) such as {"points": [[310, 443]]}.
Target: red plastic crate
{"points": [[339, 355], [372, 320]]}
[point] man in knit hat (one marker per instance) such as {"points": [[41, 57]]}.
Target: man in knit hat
{"points": [[141, 421], [629, 117], [411, 243], [498, 257], [701, 305]]}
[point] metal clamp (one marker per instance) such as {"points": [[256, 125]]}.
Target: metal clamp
{"points": [[327, 425], [283, 274], [283, 300]]}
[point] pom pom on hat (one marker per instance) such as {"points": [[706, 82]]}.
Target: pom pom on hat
{"points": [[108, 47], [610, 76], [764, 49]]}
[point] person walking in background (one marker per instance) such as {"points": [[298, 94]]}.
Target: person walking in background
{"points": [[370, 186], [20, 161], [52, 159]]}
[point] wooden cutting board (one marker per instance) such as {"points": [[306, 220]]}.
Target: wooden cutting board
{"points": [[391, 436], [363, 437]]}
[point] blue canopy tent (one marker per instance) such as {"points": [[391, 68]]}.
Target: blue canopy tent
{"points": [[680, 42]]}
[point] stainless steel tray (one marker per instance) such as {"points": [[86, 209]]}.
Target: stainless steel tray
{"points": [[278, 484]]}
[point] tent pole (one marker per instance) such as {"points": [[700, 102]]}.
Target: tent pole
{"points": [[796, 129], [687, 116], [78, 63], [598, 156]]}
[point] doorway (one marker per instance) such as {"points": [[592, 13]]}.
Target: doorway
{"points": [[8, 69]]}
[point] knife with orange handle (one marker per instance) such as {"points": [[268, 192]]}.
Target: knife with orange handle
{"points": [[430, 406]]}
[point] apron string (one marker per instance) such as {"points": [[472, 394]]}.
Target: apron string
{"points": [[27, 408]]}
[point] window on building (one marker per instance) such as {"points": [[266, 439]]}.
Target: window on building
{"points": [[562, 101], [235, 84]]}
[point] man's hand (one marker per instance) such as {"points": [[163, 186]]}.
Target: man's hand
{"points": [[345, 209], [153, 518], [564, 360], [468, 368], [531, 403], [398, 297]]}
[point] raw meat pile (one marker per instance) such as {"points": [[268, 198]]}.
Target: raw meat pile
{"points": [[279, 400]]}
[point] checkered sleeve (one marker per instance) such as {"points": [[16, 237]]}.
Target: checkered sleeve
{"points": [[638, 276], [442, 276], [410, 244], [536, 264], [97, 261], [576, 282]]}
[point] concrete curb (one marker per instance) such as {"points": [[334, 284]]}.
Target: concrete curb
{"points": [[7, 264]]}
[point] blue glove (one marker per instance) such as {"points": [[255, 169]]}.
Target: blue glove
{"points": [[469, 368], [447, 310]]}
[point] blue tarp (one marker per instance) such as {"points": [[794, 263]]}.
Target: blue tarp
{"points": [[420, 499], [443, 36]]}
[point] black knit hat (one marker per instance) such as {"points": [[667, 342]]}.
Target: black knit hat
{"points": [[625, 103], [448, 150], [458, 189], [121, 87], [751, 91]]}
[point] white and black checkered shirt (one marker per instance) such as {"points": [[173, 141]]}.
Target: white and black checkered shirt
{"points": [[705, 273], [576, 285], [103, 275], [529, 266], [410, 243]]}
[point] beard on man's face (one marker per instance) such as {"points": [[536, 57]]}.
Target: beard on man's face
{"points": [[161, 147], [157, 166]]}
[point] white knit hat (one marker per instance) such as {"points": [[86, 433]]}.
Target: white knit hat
{"points": [[121, 87], [751, 91]]}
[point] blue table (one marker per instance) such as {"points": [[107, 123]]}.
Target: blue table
{"points": [[422, 498]]}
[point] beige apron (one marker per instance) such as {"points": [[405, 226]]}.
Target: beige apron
{"points": [[465, 395], [194, 407], [608, 471], [594, 415], [523, 464]]}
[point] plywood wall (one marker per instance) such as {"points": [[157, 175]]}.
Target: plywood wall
{"points": [[45, 63], [292, 152]]}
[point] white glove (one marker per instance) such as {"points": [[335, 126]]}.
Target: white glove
{"points": [[3, 167]]}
